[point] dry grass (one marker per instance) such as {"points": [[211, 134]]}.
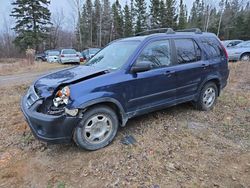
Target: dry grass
{"points": [[22, 66], [176, 147], [10, 60]]}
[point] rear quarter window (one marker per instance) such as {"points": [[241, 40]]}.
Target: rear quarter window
{"points": [[213, 47]]}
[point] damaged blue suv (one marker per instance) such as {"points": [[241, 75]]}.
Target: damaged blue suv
{"points": [[128, 78]]}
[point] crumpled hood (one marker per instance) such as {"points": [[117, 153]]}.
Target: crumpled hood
{"points": [[46, 85]]}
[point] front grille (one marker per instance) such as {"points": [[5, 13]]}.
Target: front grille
{"points": [[31, 97]]}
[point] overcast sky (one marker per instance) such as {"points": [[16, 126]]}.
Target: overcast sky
{"points": [[56, 7]]}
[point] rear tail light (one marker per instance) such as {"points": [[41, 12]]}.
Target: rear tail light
{"points": [[225, 51]]}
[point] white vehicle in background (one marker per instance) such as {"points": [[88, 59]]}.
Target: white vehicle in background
{"points": [[52, 56], [69, 56]]}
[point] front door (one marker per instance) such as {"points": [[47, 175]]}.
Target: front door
{"points": [[157, 86]]}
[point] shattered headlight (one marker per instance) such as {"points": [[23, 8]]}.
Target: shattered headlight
{"points": [[62, 96]]}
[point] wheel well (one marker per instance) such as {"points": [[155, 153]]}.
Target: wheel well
{"points": [[244, 54], [114, 107], [217, 83]]}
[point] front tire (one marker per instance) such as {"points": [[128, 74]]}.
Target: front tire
{"points": [[208, 97], [245, 57], [97, 128]]}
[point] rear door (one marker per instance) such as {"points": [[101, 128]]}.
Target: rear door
{"points": [[217, 58], [191, 68]]}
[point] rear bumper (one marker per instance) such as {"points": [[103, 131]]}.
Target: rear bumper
{"points": [[48, 128], [70, 60], [53, 60]]}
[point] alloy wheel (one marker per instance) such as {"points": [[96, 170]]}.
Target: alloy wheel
{"points": [[209, 97], [97, 129]]}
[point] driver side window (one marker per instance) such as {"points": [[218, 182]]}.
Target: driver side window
{"points": [[158, 53]]}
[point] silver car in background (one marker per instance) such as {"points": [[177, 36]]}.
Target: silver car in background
{"points": [[239, 52], [89, 53], [231, 43], [69, 56]]}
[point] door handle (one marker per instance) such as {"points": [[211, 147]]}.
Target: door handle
{"points": [[169, 73], [205, 65]]}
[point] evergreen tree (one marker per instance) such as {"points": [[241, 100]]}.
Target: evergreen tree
{"points": [[193, 16], [227, 20], [197, 16], [201, 14], [117, 20], [106, 23], [163, 14], [182, 16], [238, 26], [246, 24], [89, 21], [171, 17], [133, 14], [141, 16], [32, 22], [247, 6], [128, 23], [84, 29], [97, 22], [154, 14], [214, 21]]}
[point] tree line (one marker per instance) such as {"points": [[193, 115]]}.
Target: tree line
{"points": [[100, 22]]}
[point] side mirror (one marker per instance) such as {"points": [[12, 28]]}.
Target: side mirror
{"points": [[141, 66]]}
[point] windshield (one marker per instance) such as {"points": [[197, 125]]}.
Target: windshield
{"points": [[94, 51], [114, 55]]}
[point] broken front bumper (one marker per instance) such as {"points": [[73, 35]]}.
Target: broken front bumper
{"points": [[48, 128]]}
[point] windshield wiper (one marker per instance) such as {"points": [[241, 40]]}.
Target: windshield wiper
{"points": [[95, 60]]}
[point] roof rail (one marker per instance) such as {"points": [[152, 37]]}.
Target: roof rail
{"points": [[152, 31], [195, 30]]}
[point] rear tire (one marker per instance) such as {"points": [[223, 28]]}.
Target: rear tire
{"points": [[208, 97], [97, 128]]}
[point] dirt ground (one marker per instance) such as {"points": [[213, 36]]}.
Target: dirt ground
{"points": [[176, 147], [18, 71]]}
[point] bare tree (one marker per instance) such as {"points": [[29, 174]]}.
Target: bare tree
{"points": [[209, 5], [58, 20], [77, 5], [7, 36], [222, 4]]}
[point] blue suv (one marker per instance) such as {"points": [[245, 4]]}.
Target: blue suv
{"points": [[128, 78]]}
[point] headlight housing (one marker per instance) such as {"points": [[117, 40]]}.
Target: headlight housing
{"points": [[62, 96]]}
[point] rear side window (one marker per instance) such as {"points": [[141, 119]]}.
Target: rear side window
{"points": [[158, 53], [187, 51], [69, 51], [213, 47]]}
